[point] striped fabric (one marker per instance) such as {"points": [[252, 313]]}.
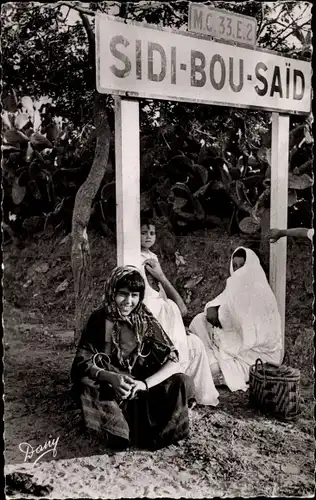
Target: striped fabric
{"points": [[152, 419]]}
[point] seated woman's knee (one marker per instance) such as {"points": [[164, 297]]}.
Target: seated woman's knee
{"points": [[179, 379], [215, 369]]}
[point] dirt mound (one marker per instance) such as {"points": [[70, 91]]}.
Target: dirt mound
{"points": [[33, 274]]}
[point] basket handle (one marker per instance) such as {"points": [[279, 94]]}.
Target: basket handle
{"points": [[259, 361]]}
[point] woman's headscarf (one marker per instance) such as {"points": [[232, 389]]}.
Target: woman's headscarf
{"points": [[140, 320], [251, 265], [134, 319], [252, 305]]}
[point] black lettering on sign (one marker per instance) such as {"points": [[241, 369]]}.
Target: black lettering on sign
{"points": [[156, 77], [261, 78], [208, 22], [197, 19], [197, 68], [249, 37], [138, 59], [229, 25], [233, 86], [298, 73], [120, 40], [221, 25], [239, 34], [173, 65], [287, 88], [217, 85], [276, 84]]}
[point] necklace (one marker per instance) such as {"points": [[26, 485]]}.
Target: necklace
{"points": [[130, 365]]}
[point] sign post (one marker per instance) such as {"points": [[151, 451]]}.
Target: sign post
{"points": [[279, 206], [127, 174]]}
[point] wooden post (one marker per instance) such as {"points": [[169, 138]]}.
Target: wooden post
{"points": [[127, 172], [279, 207]]}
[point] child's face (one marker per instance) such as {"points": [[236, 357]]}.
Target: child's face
{"points": [[147, 236], [126, 300]]}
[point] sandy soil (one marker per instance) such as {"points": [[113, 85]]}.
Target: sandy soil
{"points": [[232, 449]]}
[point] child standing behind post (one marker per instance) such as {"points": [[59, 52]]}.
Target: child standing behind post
{"points": [[167, 306]]}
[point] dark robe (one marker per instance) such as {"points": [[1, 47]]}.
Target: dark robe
{"points": [[152, 419]]}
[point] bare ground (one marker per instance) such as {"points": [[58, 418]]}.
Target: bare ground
{"points": [[232, 449]]}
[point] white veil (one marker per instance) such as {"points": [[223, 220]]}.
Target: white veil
{"points": [[252, 305]]}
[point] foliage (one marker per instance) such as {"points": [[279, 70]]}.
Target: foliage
{"points": [[199, 164], [43, 163], [229, 165]]}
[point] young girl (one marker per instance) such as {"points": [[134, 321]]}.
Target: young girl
{"points": [[154, 274], [167, 306], [126, 370]]}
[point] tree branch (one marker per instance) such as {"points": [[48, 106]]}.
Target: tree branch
{"points": [[76, 6], [91, 38], [66, 17], [146, 6], [264, 25], [123, 10], [71, 5], [165, 140], [283, 31], [173, 10], [261, 21], [240, 204], [289, 34], [196, 129], [300, 16], [280, 40]]}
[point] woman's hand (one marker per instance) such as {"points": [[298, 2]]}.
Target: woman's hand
{"points": [[122, 384], [153, 267], [139, 385], [153, 283], [274, 235], [212, 316]]}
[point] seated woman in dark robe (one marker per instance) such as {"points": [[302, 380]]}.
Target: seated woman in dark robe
{"points": [[126, 371]]}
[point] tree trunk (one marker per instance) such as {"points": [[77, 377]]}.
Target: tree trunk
{"points": [[80, 252]]}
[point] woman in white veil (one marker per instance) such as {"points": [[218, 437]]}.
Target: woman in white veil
{"points": [[241, 324]]}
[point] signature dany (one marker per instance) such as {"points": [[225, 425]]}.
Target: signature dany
{"points": [[39, 451]]}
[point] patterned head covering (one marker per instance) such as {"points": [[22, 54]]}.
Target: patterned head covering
{"points": [[140, 320], [110, 291]]}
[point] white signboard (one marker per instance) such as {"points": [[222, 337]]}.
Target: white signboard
{"points": [[138, 60], [222, 24]]}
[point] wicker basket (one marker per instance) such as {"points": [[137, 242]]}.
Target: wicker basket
{"points": [[275, 390]]}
